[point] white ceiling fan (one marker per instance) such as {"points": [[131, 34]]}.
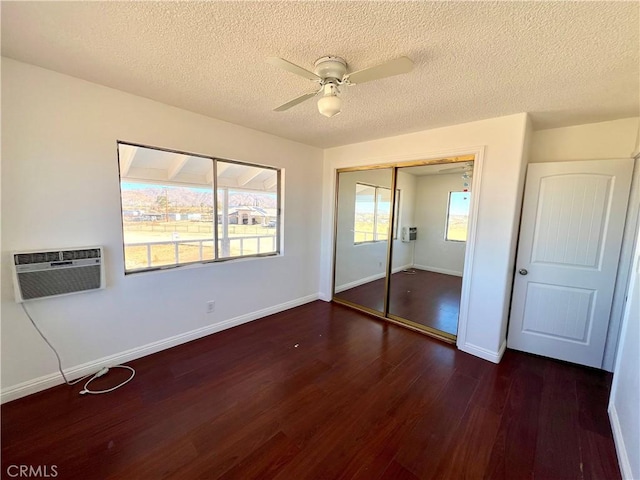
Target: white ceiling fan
{"points": [[330, 73], [464, 167]]}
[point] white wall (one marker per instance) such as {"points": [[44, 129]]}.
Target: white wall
{"points": [[625, 390], [500, 197], [60, 188], [593, 141], [403, 251], [433, 252]]}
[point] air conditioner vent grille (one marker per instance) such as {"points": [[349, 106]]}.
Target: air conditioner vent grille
{"points": [[81, 254], [46, 257], [36, 257], [58, 282]]}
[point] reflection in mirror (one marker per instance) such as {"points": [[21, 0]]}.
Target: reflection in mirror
{"points": [[362, 233], [426, 282]]}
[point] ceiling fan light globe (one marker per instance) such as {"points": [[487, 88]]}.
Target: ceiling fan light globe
{"points": [[329, 105]]}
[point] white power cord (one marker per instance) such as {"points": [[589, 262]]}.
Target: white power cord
{"points": [[100, 373], [103, 372]]}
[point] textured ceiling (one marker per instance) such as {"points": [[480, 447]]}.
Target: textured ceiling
{"points": [[564, 62]]}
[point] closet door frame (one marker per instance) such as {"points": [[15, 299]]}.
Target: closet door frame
{"points": [[472, 154]]}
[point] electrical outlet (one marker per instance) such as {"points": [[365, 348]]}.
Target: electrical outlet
{"points": [[211, 306]]}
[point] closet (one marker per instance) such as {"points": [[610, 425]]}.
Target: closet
{"points": [[400, 240]]}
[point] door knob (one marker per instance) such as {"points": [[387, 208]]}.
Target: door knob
{"points": [[523, 271]]}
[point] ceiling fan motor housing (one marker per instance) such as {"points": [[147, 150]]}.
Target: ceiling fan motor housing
{"points": [[330, 67], [330, 73]]}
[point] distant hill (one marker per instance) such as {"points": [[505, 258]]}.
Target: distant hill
{"points": [[151, 199]]}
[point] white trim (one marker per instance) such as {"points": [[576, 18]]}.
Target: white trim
{"points": [[469, 256], [618, 436], [403, 267], [438, 270], [621, 450], [483, 353], [409, 157], [47, 381], [372, 278], [624, 271], [360, 281]]}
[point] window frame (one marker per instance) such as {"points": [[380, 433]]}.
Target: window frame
{"points": [[214, 187], [447, 217], [396, 214], [394, 229]]}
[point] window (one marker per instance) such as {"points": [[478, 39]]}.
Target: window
{"points": [[458, 216], [372, 213], [168, 206]]}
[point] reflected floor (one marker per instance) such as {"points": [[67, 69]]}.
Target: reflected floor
{"points": [[427, 298]]}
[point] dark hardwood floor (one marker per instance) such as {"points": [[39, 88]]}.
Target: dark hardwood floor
{"points": [[322, 392], [427, 298]]}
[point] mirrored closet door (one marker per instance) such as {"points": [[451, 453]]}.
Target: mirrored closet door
{"points": [[400, 246], [363, 217]]}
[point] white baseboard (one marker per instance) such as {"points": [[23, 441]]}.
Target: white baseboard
{"points": [[47, 381], [483, 353], [438, 270], [618, 440], [360, 281], [372, 278], [403, 267]]}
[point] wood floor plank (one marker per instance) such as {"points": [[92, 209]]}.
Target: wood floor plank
{"points": [[396, 471], [265, 462], [322, 391], [479, 429], [160, 463], [432, 438], [381, 446], [334, 450], [558, 446], [594, 429], [513, 452]]}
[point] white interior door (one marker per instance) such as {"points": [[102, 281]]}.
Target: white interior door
{"points": [[570, 236]]}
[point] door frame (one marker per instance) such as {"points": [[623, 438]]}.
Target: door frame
{"points": [[625, 265], [446, 156]]}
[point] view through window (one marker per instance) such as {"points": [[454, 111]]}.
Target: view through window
{"points": [[372, 213], [168, 208], [458, 216]]}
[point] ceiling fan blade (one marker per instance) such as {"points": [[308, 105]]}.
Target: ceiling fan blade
{"points": [[290, 67], [294, 102], [388, 69], [462, 167]]}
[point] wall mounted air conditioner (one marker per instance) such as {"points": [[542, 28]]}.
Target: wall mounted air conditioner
{"points": [[50, 273], [409, 234]]}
